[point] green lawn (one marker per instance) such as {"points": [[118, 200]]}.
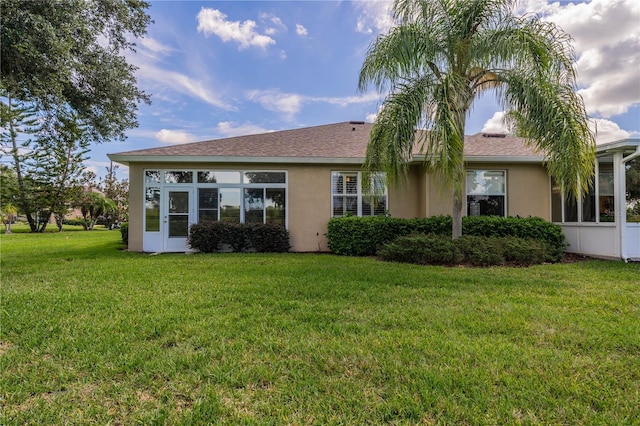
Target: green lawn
{"points": [[91, 334]]}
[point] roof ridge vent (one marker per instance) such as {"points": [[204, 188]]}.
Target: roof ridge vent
{"points": [[356, 122], [494, 135]]}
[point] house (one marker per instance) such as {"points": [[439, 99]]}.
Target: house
{"points": [[303, 177]]}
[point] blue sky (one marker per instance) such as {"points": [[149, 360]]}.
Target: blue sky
{"points": [[216, 69]]}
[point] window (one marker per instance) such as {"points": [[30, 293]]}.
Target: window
{"points": [[606, 201], [152, 210], [220, 195], [348, 198], [486, 193]]}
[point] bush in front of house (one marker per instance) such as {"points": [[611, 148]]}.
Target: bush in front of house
{"points": [[211, 237], [124, 232], [363, 236], [427, 249], [474, 250]]}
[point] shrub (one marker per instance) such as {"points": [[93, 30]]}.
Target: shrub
{"points": [[471, 249], [422, 250], [525, 251], [209, 237], [124, 232], [73, 222], [363, 236], [268, 238], [480, 251]]}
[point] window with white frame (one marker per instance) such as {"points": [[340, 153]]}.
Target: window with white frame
{"points": [[486, 193], [221, 195], [349, 198]]}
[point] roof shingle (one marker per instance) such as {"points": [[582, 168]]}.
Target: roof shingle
{"points": [[346, 140]]}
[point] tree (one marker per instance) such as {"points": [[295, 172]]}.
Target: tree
{"points": [[440, 57], [69, 54], [58, 163], [47, 163], [64, 77], [93, 205], [118, 191]]}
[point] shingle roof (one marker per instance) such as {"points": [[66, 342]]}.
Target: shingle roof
{"points": [[346, 140]]}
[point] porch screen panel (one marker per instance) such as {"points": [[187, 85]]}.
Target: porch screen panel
{"points": [[606, 198], [207, 204], [589, 204], [632, 180]]}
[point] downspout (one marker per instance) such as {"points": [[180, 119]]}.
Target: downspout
{"points": [[623, 217]]}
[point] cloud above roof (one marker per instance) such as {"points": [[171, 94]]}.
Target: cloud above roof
{"points": [[214, 22]]}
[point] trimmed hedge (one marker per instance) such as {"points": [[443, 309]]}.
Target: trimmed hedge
{"points": [[363, 236], [470, 249], [210, 237]]}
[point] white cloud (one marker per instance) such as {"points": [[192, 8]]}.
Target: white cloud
{"points": [[371, 118], [212, 21], [495, 124], [276, 24], [301, 30], [229, 129], [174, 136], [188, 85], [153, 47], [347, 100], [290, 104], [374, 16], [606, 37], [607, 131]]}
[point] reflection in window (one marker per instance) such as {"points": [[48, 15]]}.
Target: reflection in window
{"points": [[264, 177], [230, 205], [178, 177], [152, 176], [218, 177], [254, 205], [274, 205], [486, 193], [152, 210]]}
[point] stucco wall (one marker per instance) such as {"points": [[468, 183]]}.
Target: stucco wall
{"points": [[309, 196]]}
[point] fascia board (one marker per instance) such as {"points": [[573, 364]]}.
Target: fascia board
{"points": [[126, 159]]}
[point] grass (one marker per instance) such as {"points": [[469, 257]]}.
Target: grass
{"points": [[93, 334]]}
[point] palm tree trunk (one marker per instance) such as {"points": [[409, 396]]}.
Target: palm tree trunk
{"points": [[456, 215]]}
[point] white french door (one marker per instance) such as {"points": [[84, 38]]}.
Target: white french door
{"points": [[178, 215]]}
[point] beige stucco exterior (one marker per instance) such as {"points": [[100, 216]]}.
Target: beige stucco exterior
{"points": [[309, 195]]}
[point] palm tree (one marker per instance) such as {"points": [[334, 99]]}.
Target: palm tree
{"points": [[440, 57], [93, 205], [8, 213]]}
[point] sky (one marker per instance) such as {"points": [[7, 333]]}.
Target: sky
{"points": [[217, 69]]}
